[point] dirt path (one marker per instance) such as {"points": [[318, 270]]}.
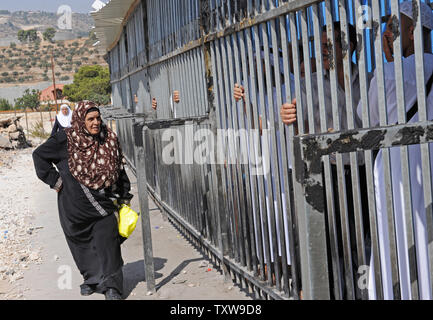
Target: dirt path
{"points": [[38, 265]]}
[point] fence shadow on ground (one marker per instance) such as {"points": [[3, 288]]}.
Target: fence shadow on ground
{"points": [[176, 272], [208, 258]]}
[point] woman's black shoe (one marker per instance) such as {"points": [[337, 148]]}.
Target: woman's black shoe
{"points": [[112, 294], [87, 290]]}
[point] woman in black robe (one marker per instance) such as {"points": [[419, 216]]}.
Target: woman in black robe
{"points": [[90, 175]]}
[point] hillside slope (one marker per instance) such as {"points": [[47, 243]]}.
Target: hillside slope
{"points": [[30, 63], [12, 22]]}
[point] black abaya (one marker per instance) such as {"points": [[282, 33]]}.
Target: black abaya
{"points": [[86, 216]]}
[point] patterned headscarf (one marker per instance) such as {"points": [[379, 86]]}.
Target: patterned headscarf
{"points": [[94, 161]]}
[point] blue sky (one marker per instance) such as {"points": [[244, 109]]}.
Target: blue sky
{"points": [[82, 6]]}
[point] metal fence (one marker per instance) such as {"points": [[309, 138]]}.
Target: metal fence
{"points": [[338, 206]]}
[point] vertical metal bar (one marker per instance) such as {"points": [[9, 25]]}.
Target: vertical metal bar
{"points": [[282, 167], [218, 176], [140, 161], [306, 264], [203, 83], [307, 64], [348, 80], [288, 132], [242, 153], [400, 95], [218, 173], [343, 206], [227, 180], [268, 245], [237, 152], [270, 125], [253, 120], [425, 148], [196, 85], [233, 184], [246, 124], [362, 67], [385, 152], [332, 227]]}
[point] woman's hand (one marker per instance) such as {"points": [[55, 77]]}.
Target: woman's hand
{"points": [[59, 188]]}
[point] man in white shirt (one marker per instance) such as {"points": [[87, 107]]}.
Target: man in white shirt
{"points": [[415, 164]]}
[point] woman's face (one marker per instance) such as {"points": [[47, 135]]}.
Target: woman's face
{"points": [[65, 111], [93, 122]]}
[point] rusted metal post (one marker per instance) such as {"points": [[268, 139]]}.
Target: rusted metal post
{"points": [[312, 232], [54, 81], [140, 161]]}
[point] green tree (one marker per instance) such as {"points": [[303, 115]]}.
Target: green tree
{"points": [[49, 34], [30, 99], [92, 36], [33, 35], [5, 105], [22, 36], [90, 83]]}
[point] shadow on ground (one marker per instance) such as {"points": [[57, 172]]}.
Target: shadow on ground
{"points": [[133, 274], [176, 271]]}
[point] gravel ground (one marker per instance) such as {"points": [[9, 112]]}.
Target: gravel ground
{"points": [[17, 252]]}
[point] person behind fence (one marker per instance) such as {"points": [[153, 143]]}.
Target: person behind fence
{"points": [[405, 266], [239, 94], [63, 119], [90, 176], [288, 113]]}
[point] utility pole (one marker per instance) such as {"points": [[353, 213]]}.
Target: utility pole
{"points": [[54, 80]]}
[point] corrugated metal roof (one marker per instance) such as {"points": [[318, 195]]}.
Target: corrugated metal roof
{"points": [[109, 21]]}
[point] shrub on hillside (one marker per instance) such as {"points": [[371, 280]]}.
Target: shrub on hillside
{"points": [[5, 105]]}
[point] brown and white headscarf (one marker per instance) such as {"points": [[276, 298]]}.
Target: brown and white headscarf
{"points": [[94, 161]]}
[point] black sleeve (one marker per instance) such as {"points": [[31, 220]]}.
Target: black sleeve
{"points": [[55, 128], [123, 186], [44, 157]]}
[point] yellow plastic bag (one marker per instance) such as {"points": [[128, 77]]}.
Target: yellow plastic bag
{"points": [[127, 220]]}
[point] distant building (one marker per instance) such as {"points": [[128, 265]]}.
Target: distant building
{"points": [[47, 95]]}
